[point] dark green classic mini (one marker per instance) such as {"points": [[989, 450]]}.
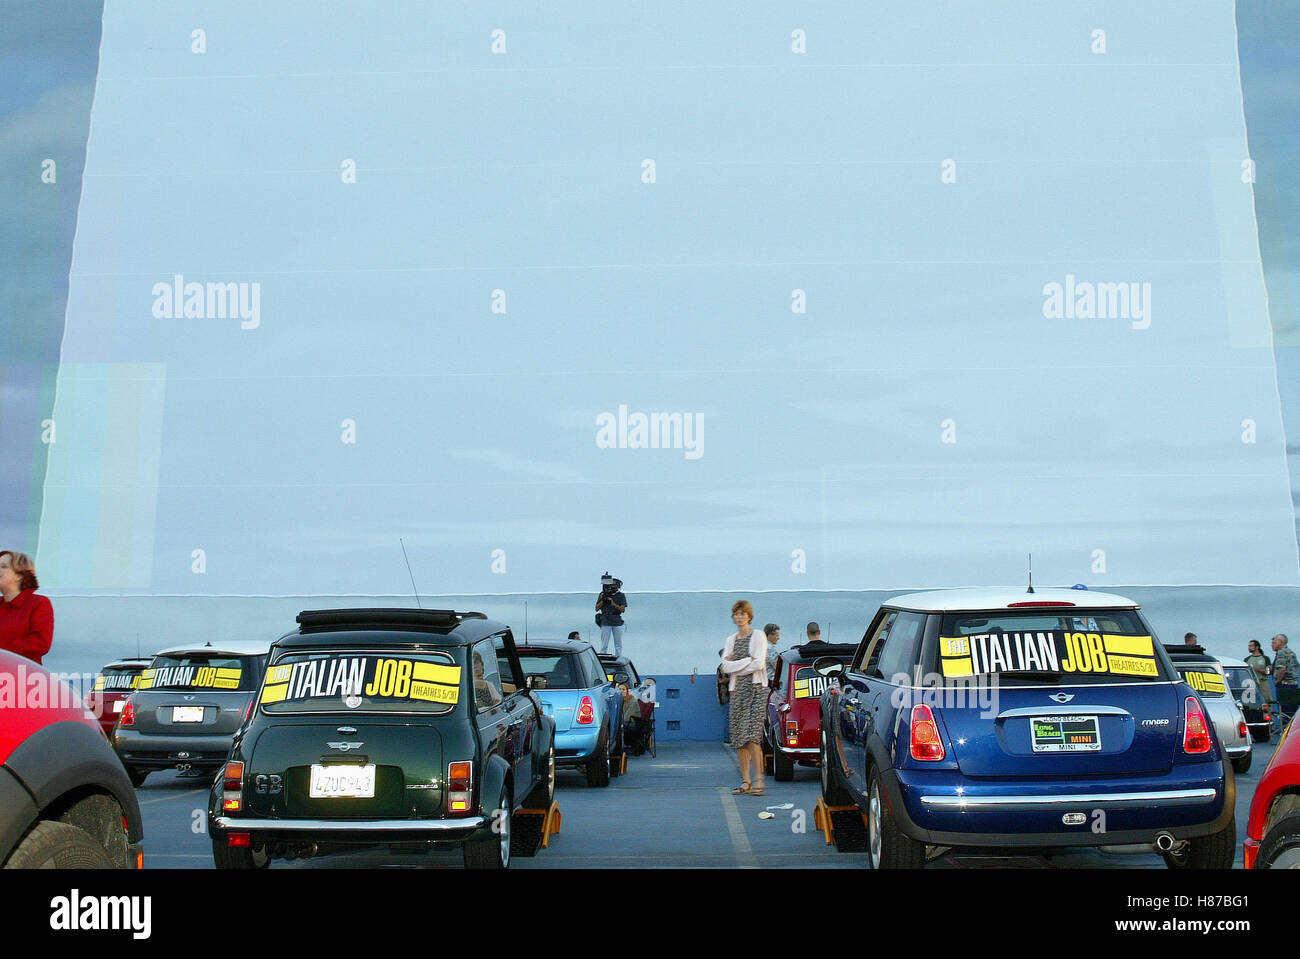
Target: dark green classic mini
{"points": [[397, 727]]}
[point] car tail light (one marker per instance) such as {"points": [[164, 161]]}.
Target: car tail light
{"points": [[792, 732], [460, 780], [127, 718], [1196, 733], [926, 744], [232, 787], [1242, 729], [239, 840], [586, 712]]}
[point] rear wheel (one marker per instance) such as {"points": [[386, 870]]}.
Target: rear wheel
{"points": [[493, 853], [1261, 734], [598, 765], [1241, 764], [833, 794], [782, 766], [888, 847], [57, 845], [543, 794], [238, 858], [1208, 852], [1281, 846]]}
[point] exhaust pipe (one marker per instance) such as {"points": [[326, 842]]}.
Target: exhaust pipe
{"points": [[1165, 841]]}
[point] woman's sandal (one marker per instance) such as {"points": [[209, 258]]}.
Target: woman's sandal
{"points": [[741, 790], [758, 790]]}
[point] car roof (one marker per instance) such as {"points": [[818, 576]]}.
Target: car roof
{"points": [[392, 626], [131, 662], [809, 652], [972, 600], [232, 647], [554, 645]]}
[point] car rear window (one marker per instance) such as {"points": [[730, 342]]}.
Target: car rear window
{"points": [[1238, 678], [198, 671], [117, 680], [807, 684], [1204, 679], [344, 681], [562, 670], [1084, 646]]}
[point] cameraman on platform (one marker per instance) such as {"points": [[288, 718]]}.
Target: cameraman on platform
{"points": [[610, 605]]}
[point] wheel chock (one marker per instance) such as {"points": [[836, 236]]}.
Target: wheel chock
{"points": [[822, 818], [622, 769], [551, 821]]}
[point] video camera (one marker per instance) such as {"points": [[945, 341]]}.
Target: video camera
{"points": [[609, 585]]}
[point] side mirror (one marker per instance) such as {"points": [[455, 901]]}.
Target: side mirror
{"points": [[621, 677], [829, 667], [535, 680]]}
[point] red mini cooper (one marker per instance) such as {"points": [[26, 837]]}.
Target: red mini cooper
{"points": [[793, 728], [1273, 831]]}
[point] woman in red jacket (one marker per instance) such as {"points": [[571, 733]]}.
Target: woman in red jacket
{"points": [[26, 620]]}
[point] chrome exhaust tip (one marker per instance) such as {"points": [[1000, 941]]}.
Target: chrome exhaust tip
{"points": [[1165, 842]]}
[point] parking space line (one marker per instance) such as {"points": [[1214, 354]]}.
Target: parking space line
{"points": [[188, 792], [739, 841]]}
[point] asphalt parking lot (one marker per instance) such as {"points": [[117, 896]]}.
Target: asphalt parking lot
{"points": [[675, 810]]}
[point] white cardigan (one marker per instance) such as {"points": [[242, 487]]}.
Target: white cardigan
{"points": [[757, 658]]}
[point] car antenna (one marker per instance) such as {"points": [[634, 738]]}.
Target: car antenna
{"points": [[525, 622], [137, 645], [1031, 573], [415, 589]]}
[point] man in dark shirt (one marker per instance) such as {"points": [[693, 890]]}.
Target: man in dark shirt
{"points": [[610, 606]]}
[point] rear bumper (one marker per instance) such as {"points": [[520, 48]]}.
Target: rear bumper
{"points": [[147, 751], [800, 752], [943, 808], [354, 831], [573, 747]]}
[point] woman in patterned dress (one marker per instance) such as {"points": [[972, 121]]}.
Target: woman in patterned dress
{"points": [[744, 657]]}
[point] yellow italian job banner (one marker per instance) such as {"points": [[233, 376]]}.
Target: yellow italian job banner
{"points": [[1205, 681], [194, 677], [808, 685], [1053, 651], [390, 681]]}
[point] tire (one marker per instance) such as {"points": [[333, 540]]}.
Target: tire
{"points": [[887, 846], [1215, 851], [833, 793], [493, 853], [616, 757], [100, 817], [543, 794], [1281, 846], [1261, 735], [243, 858], [598, 765], [1241, 764], [782, 766], [137, 776], [57, 845]]}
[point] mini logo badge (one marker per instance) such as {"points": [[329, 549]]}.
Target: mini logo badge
{"points": [[345, 746], [189, 699], [352, 702], [1062, 697]]}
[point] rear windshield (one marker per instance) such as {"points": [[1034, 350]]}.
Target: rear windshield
{"points": [[562, 670], [1204, 679], [376, 682], [221, 673], [1092, 646], [807, 684], [117, 680], [1238, 678]]}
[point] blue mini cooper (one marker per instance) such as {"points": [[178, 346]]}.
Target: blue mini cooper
{"points": [[999, 719]]}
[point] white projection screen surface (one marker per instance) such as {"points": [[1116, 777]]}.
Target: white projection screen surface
{"points": [[712, 295]]}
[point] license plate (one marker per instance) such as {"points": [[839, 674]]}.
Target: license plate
{"points": [[342, 782], [187, 714], [117, 706], [1065, 734]]}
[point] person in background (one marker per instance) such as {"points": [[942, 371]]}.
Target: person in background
{"points": [[744, 657], [772, 632], [575, 635], [1260, 666], [1189, 639], [26, 618], [1286, 672], [611, 604]]}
